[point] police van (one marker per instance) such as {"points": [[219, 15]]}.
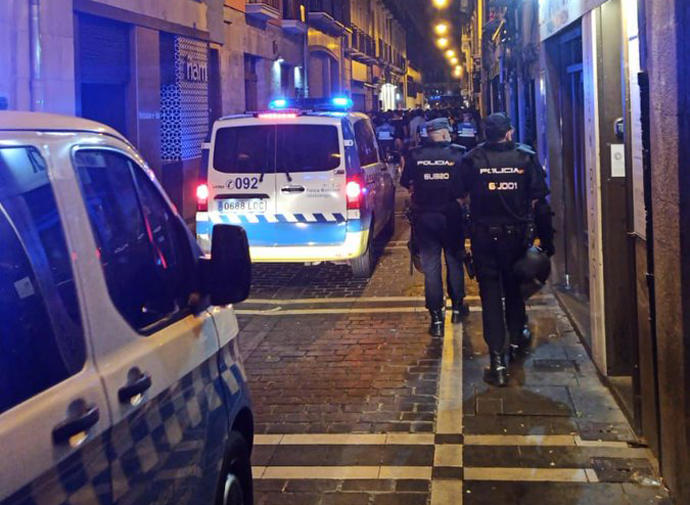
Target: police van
{"points": [[306, 181], [120, 373]]}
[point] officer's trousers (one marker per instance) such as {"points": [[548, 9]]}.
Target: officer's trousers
{"points": [[494, 256], [438, 233]]}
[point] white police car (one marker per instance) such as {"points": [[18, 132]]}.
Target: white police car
{"points": [[120, 377], [307, 184]]}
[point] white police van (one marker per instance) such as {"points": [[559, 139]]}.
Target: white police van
{"points": [[120, 375], [308, 184]]}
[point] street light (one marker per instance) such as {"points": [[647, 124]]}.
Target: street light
{"points": [[440, 4], [441, 28], [450, 53], [454, 60], [442, 42]]}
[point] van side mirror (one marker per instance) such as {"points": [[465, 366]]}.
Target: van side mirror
{"points": [[227, 275]]}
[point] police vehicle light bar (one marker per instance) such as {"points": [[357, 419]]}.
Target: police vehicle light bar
{"points": [[336, 103], [277, 115]]}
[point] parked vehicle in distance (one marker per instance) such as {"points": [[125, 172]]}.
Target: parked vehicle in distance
{"points": [[120, 374], [308, 184]]}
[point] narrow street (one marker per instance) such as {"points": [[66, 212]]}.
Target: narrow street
{"points": [[356, 404]]}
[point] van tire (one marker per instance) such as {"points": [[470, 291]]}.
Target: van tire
{"points": [[363, 266], [235, 484], [389, 229]]}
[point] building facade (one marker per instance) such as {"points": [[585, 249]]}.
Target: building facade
{"points": [[378, 53], [599, 87], [161, 71]]}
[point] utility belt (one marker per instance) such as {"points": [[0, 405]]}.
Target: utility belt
{"points": [[512, 231]]}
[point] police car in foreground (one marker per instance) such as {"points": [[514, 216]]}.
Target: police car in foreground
{"points": [[307, 184], [120, 377]]}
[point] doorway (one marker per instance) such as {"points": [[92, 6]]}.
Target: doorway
{"points": [[575, 232], [103, 70]]}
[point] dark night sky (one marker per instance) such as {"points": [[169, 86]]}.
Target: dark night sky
{"points": [[419, 17]]}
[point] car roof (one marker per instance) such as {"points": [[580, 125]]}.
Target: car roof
{"points": [[40, 121]]}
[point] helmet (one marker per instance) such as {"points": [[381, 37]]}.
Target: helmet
{"points": [[532, 271]]}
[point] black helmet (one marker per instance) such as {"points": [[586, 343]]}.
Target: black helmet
{"points": [[532, 271]]}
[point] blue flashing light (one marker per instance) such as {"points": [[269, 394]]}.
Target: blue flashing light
{"points": [[278, 103], [342, 101]]}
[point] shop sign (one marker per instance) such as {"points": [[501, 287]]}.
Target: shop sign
{"points": [[555, 15], [195, 71]]}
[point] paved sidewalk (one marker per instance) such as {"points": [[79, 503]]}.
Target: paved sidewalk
{"points": [[356, 404]]}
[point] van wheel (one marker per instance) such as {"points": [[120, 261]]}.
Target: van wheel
{"points": [[363, 267], [389, 229], [235, 486]]}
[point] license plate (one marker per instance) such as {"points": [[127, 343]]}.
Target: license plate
{"points": [[252, 205]]}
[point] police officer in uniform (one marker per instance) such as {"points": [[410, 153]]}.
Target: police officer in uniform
{"points": [[432, 174], [505, 182]]}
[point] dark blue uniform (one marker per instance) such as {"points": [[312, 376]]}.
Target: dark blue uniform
{"points": [[432, 172], [503, 181]]}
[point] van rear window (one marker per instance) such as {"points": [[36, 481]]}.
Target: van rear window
{"points": [[282, 148], [307, 148], [245, 150]]}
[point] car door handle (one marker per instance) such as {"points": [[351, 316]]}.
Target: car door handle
{"points": [[293, 189], [134, 387], [75, 424]]}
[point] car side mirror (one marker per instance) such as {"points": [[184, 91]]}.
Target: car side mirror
{"points": [[227, 275]]}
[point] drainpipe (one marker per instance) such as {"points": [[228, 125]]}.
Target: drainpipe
{"points": [[305, 65], [37, 91]]}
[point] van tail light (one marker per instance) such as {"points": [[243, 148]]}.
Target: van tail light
{"points": [[202, 198], [354, 192]]}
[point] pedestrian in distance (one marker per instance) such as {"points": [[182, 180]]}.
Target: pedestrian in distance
{"points": [[505, 183], [432, 174]]}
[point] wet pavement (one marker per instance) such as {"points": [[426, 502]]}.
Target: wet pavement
{"points": [[356, 404]]}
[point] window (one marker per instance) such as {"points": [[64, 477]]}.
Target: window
{"points": [[147, 262], [245, 150], [41, 334], [366, 143], [307, 148]]}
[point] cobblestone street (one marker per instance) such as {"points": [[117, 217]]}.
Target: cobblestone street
{"points": [[356, 404]]}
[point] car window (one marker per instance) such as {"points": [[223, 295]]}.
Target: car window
{"points": [[366, 143], [145, 259], [307, 148], [245, 150], [41, 335]]}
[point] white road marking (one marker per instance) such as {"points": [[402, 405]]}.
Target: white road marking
{"points": [[527, 474], [344, 310], [449, 410], [366, 299]]}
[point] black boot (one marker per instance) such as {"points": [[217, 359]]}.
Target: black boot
{"points": [[497, 374], [460, 312], [437, 324], [520, 345]]}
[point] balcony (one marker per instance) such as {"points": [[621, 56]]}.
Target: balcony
{"points": [[264, 9], [294, 17], [329, 16], [361, 46]]}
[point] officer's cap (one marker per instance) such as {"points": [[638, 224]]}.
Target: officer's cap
{"points": [[497, 125], [440, 123]]}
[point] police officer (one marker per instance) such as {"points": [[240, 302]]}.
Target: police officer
{"points": [[432, 174], [505, 182]]}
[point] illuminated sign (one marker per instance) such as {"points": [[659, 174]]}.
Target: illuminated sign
{"points": [[555, 15]]}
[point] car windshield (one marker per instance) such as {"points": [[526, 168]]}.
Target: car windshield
{"points": [[300, 148]]}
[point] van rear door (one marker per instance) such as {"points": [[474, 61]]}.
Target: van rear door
{"points": [[310, 183], [242, 179]]}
